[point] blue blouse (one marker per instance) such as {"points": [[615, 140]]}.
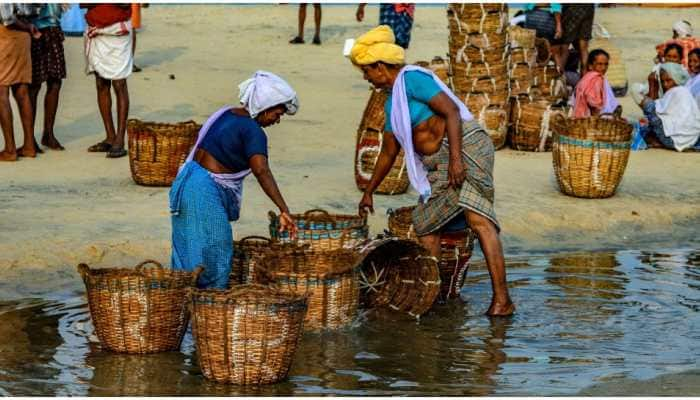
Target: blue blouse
{"points": [[420, 88], [233, 139]]}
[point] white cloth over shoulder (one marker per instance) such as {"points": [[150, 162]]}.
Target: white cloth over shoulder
{"points": [[401, 127], [693, 85], [680, 117], [265, 90], [109, 53], [611, 102]]}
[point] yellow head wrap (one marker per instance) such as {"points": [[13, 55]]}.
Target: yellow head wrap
{"points": [[377, 45]]}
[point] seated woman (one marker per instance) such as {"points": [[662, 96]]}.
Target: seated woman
{"points": [[208, 190], [672, 54], [593, 95], [682, 36], [449, 157], [674, 119], [693, 83]]}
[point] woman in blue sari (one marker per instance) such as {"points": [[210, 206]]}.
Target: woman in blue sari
{"points": [[208, 190]]}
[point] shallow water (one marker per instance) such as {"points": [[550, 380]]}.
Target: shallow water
{"points": [[582, 319]]}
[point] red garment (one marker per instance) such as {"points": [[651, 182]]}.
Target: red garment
{"points": [[590, 93], [687, 43], [103, 15], [408, 8]]}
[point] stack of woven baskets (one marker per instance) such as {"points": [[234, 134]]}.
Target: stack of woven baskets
{"points": [[521, 59], [478, 50], [368, 145], [156, 150], [530, 123], [590, 154]]}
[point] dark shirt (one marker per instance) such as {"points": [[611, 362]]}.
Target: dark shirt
{"points": [[103, 15], [233, 139]]}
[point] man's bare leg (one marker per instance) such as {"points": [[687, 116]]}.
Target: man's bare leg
{"points": [[431, 243], [317, 23], [583, 51], [501, 304], [33, 94], [302, 19], [48, 138], [9, 153], [21, 93], [104, 102], [122, 92]]}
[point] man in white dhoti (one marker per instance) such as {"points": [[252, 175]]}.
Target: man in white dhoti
{"points": [[108, 41]]}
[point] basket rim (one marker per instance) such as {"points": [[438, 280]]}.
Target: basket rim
{"points": [[248, 294]]}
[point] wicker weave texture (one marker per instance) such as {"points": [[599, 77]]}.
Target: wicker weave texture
{"points": [[247, 335], [245, 254], [323, 230], [590, 155], [157, 150], [328, 278], [532, 124], [140, 310]]}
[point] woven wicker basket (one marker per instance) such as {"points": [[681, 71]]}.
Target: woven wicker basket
{"points": [[245, 253], [322, 230], [521, 37], [488, 41], [544, 52], [532, 125], [495, 121], [476, 101], [590, 155], [441, 68], [462, 20], [366, 156], [478, 70], [247, 335], [549, 82], [399, 275], [456, 248], [329, 278], [157, 150], [140, 310], [526, 56], [373, 116]]}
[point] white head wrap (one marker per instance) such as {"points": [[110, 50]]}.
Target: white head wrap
{"points": [[265, 90], [683, 28]]}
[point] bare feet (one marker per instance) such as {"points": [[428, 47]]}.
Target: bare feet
{"points": [[38, 148], [8, 156], [21, 152], [51, 142], [501, 310]]}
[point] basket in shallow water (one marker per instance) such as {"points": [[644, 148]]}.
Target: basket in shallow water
{"points": [[140, 310], [399, 275], [590, 155], [247, 335], [329, 278], [532, 125], [156, 150], [245, 254], [456, 250], [322, 230]]}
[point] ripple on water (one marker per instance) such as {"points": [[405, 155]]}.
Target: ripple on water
{"points": [[581, 319]]}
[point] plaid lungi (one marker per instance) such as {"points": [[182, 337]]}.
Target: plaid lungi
{"points": [[400, 22], [477, 191]]}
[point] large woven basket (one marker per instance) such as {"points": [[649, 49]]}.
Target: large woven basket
{"points": [[366, 155], [441, 68], [368, 146], [399, 275], [527, 56], [532, 125], [590, 155], [323, 230], [478, 69], [157, 150], [245, 254], [140, 310], [470, 18], [456, 252], [521, 37], [495, 121], [477, 101], [247, 335], [329, 278], [549, 82]]}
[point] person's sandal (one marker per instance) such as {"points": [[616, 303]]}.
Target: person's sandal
{"points": [[297, 40], [101, 147], [317, 40], [116, 153]]}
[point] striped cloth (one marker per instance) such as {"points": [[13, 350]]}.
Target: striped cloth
{"points": [[477, 191], [202, 234], [400, 22]]}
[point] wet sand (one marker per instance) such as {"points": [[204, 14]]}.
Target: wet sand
{"points": [[73, 206], [685, 383]]}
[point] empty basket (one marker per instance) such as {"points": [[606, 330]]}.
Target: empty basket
{"points": [[323, 230]]}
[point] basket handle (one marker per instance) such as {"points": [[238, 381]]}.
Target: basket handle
{"points": [[255, 237], [142, 264], [83, 270]]}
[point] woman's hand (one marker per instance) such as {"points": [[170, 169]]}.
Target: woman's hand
{"points": [[34, 31], [455, 172], [287, 224], [366, 203]]}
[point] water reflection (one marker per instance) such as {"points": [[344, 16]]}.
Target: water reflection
{"points": [[582, 319]]}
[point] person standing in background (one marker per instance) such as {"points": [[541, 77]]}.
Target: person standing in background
{"points": [[398, 16], [299, 38], [48, 65]]}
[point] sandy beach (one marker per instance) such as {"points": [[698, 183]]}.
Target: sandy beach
{"points": [[68, 207]]}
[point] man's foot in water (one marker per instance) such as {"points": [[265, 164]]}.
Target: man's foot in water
{"points": [[501, 310]]}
